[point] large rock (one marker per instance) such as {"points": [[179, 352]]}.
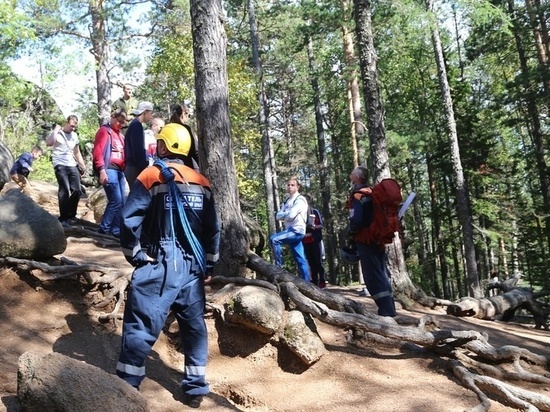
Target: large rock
{"points": [[56, 383], [256, 308], [6, 162], [302, 338], [26, 230]]}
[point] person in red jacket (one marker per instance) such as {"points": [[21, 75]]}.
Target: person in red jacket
{"points": [[108, 160]]}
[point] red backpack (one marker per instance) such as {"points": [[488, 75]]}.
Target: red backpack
{"points": [[386, 198]]}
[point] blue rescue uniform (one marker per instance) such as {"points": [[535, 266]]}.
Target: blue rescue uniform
{"points": [[151, 226]]}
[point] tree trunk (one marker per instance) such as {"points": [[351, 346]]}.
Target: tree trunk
{"points": [[488, 308], [270, 173], [463, 209], [377, 134], [322, 158], [535, 126], [539, 42], [100, 51], [354, 96], [214, 130]]}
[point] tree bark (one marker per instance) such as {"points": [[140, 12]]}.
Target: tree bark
{"points": [[270, 173], [322, 159], [514, 298], [377, 133], [463, 208], [214, 130], [100, 51]]}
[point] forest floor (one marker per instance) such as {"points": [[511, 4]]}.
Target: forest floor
{"points": [[245, 375]]}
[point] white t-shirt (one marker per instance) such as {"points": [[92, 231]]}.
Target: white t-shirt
{"points": [[63, 148]]}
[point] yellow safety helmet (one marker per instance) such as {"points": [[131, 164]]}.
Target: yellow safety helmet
{"points": [[176, 137]]}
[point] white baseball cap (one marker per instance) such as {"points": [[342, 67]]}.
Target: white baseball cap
{"points": [[142, 107]]}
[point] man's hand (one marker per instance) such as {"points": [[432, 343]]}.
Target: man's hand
{"points": [[103, 179]]}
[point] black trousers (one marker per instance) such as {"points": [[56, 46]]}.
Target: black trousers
{"points": [[68, 179]]}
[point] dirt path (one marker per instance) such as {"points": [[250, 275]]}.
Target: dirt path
{"points": [[55, 316]]}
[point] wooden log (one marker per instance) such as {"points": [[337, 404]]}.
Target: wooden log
{"points": [[487, 308]]}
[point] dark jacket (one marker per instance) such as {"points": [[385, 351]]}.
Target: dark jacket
{"points": [[146, 217]]}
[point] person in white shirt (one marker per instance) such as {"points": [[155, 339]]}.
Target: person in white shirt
{"points": [[294, 214], [151, 138], [69, 166]]}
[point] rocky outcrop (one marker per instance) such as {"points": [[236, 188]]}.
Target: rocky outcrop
{"points": [[301, 338], [256, 308], [263, 311], [6, 162], [27, 231], [56, 383]]}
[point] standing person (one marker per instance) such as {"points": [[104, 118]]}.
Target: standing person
{"points": [[312, 245], [135, 155], [67, 159], [181, 113], [371, 256], [151, 138], [21, 168], [171, 205], [127, 102], [294, 214], [108, 160]]}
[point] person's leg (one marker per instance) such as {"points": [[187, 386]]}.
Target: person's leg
{"points": [[114, 204], [276, 241], [63, 192], [375, 275], [297, 249], [145, 312], [310, 257], [119, 194], [131, 173], [189, 311], [74, 191], [316, 264]]}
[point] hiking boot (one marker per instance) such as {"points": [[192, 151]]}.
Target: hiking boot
{"points": [[193, 401]]}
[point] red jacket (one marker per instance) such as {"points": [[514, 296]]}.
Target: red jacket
{"points": [[108, 148]]}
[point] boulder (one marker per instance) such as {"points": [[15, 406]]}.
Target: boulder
{"points": [[6, 162], [53, 382], [256, 308], [302, 338], [26, 230]]}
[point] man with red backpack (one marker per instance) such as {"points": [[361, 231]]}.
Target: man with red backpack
{"points": [[363, 221]]}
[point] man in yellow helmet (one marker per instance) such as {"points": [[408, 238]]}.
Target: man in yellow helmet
{"points": [[170, 233]]}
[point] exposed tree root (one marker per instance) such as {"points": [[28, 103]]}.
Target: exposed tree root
{"points": [[490, 365]]}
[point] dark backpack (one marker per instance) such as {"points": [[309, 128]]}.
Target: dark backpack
{"points": [[386, 198]]}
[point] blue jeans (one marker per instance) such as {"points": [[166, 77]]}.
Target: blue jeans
{"points": [[115, 191], [69, 192], [294, 242]]}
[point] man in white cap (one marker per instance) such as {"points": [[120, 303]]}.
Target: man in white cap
{"points": [[135, 154]]}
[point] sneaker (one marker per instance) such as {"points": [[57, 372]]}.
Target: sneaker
{"points": [[72, 221], [193, 401], [64, 223], [322, 284], [364, 292]]}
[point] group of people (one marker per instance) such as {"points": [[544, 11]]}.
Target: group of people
{"points": [[302, 234], [169, 230]]}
